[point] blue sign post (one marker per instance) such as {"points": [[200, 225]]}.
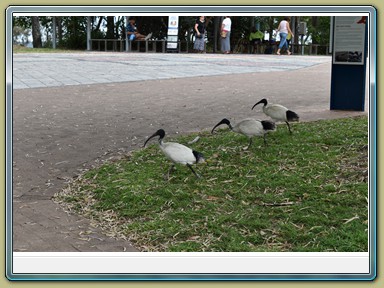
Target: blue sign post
{"points": [[348, 78]]}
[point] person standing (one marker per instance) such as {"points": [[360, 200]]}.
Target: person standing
{"points": [[256, 37], [199, 30], [226, 35], [284, 29]]}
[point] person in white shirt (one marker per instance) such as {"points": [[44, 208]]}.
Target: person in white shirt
{"points": [[284, 29], [225, 41]]}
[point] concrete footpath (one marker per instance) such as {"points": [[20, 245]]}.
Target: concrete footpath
{"points": [[72, 110]]}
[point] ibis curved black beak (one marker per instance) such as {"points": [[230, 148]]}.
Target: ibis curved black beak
{"points": [[264, 101], [213, 129], [224, 121], [145, 143], [159, 133]]}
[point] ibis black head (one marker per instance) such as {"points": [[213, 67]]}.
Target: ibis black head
{"points": [[160, 133], [224, 121], [264, 101]]}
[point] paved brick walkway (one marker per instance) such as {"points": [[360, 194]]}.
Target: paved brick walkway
{"points": [[50, 70], [72, 110]]}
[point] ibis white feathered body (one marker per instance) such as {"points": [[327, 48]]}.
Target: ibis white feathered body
{"points": [[250, 127], [278, 113], [177, 153]]}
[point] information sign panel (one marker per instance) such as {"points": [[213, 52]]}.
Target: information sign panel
{"points": [[173, 31], [349, 40]]}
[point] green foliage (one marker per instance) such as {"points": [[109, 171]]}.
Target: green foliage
{"points": [[303, 192], [320, 33], [22, 21]]}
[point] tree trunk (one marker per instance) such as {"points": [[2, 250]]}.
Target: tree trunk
{"points": [[101, 18], [119, 23], [315, 24], [271, 27], [220, 23], [216, 29], [36, 33], [110, 27], [252, 23], [59, 29], [296, 38]]}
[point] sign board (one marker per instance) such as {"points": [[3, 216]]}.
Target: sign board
{"points": [[173, 32], [349, 67], [349, 40], [302, 28]]}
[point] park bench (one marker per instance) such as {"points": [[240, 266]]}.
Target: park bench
{"points": [[151, 46], [122, 45], [135, 46], [145, 45], [102, 44]]}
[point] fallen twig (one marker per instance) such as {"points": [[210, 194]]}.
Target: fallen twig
{"points": [[194, 140], [349, 220], [279, 204]]}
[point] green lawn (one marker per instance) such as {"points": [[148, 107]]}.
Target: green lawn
{"points": [[303, 192]]}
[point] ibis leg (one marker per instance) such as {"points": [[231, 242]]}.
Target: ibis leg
{"points": [[249, 145], [265, 140], [250, 142], [289, 127], [170, 170], [193, 171]]}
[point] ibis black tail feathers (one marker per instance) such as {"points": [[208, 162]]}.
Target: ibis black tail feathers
{"points": [[292, 116], [199, 157], [268, 125]]}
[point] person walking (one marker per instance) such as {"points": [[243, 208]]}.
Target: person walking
{"points": [[199, 30], [284, 29], [226, 35]]}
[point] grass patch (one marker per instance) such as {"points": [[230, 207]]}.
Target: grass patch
{"points": [[23, 49], [303, 192]]}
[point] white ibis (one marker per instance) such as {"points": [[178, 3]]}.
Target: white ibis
{"points": [[177, 153], [249, 127], [278, 112]]}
